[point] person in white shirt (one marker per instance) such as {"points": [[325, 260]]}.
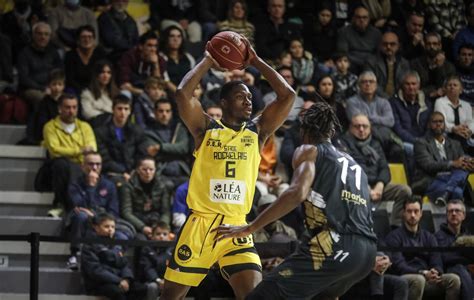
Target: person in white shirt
{"points": [[457, 114]]}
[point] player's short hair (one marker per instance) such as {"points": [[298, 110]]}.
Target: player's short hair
{"points": [[228, 87], [320, 121]]}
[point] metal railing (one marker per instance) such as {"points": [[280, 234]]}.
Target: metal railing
{"points": [[34, 238]]}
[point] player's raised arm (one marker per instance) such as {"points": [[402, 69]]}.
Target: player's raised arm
{"points": [[276, 112], [303, 163], [190, 109]]}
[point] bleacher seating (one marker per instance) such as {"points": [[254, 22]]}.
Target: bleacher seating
{"points": [[23, 211], [397, 173]]}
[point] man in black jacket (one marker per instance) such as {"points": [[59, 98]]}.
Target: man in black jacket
{"points": [[120, 142], [454, 261], [35, 62], [117, 29], [368, 153], [167, 140], [423, 270], [441, 168], [273, 32]]}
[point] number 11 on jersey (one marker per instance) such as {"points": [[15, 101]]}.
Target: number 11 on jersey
{"points": [[356, 168]]}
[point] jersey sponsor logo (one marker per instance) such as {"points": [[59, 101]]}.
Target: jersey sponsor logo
{"points": [[214, 143], [317, 200], [184, 252], [354, 198], [242, 241], [230, 152], [247, 141], [227, 191]]}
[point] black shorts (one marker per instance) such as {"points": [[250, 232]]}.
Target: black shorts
{"points": [[326, 265]]}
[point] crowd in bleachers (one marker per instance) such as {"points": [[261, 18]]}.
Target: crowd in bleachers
{"points": [[96, 89]]}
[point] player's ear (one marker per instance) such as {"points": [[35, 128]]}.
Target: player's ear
{"points": [[223, 102]]}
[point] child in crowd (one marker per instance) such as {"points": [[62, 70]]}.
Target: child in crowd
{"points": [[48, 108], [153, 259], [144, 107], [105, 269], [345, 81]]}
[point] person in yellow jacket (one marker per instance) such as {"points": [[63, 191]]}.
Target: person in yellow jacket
{"points": [[67, 139]]}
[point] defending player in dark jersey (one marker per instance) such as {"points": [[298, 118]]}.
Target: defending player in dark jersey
{"points": [[339, 246]]}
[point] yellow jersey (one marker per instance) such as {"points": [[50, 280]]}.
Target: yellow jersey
{"points": [[225, 170]]}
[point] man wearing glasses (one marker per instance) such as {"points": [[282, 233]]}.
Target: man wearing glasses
{"points": [[455, 262], [379, 112], [90, 194], [368, 153]]}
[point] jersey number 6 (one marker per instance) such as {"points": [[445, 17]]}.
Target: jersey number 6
{"points": [[230, 169]]}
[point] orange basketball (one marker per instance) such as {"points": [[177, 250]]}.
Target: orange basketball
{"points": [[228, 49]]}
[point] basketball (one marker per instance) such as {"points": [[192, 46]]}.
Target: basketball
{"points": [[228, 49]]}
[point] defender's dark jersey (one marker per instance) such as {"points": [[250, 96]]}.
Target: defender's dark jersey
{"points": [[340, 198]]}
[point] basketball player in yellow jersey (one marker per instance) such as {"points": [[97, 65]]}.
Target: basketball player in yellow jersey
{"points": [[223, 179]]}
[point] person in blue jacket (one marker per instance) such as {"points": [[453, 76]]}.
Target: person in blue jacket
{"points": [[90, 194], [105, 268]]}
